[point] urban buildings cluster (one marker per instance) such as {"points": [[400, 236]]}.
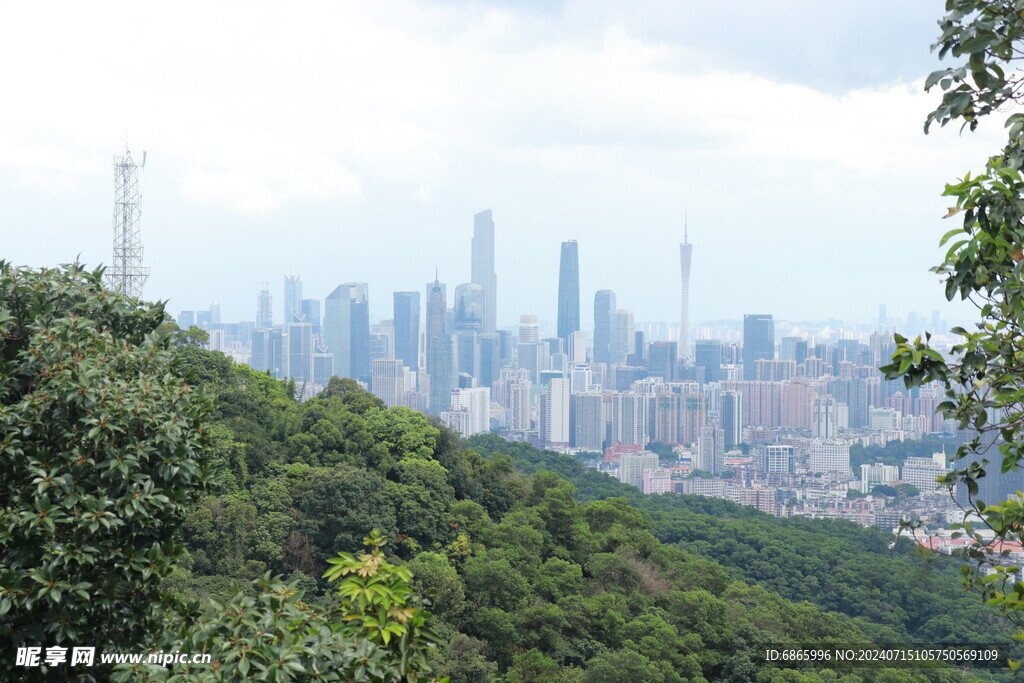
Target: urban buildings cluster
{"points": [[763, 418]]}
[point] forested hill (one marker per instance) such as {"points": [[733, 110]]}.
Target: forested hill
{"points": [[531, 577], [891, 590]]}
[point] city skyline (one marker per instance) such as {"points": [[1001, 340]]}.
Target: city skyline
{"points": [[374, 178]]}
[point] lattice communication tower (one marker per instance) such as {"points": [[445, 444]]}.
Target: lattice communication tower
{"points": [[127, 274]]}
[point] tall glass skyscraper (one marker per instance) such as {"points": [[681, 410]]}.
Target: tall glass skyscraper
{"points": [[482, 272], [264, 314], [443, 374], [604, 325], [470, 307], [437, 312], [292, 299], [346, 329], [568, 290], [758, 342], [407, 328]]}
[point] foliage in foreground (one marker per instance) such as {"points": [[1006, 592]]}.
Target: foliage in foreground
{"points": [[983, 375], [102, 450]]}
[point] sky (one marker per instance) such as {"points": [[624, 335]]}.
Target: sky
{"points": [[346, 141]]}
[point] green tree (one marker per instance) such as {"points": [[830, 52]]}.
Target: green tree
{"points": [[102, 448], [379, 605], [983, 374]]}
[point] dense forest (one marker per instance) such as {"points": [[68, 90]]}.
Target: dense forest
{"points": [[501, 562]]}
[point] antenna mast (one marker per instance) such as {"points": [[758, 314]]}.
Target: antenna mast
{"points": [[127, 274]]}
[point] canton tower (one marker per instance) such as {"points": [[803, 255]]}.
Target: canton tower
{"points": [[685, 257]]}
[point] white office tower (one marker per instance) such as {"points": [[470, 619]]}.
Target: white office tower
{"points": [[922, 473], [470, 411], [482, 265], [554, 413], [577, 347], [632, 466], [581, 378], [778, 459], [824, 418], [529, 329], [829, 457], [871, 475], [629, 419], [387, 380]]}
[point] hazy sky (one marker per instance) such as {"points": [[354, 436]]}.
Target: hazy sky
{"points": [[354, 141]]}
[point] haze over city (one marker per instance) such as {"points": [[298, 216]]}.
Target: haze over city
{"points": [[355, 144]]}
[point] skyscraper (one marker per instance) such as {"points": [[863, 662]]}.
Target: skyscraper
{"points": [[825, 420], [604, 325], [708, 355], [443, 375], [685, 257], [555, 406], [311, 313], [470, 302], [298, 357], [360, 347], [483, 268], [568, 290], [346, 329], [529, 329], [264, 313], [387, 380], [407, 328], [292, 299], [437, 311], [731, 411], [758, 342], [662, 359], [622, 335]]}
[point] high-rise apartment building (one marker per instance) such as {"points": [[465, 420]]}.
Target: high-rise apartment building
{"points": [[824, 418], [711, 449], [588, 421], [555, 409], [568, 290], [629, 419], [632, 466], [731, 417], [758, 342], [483, 268]]}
